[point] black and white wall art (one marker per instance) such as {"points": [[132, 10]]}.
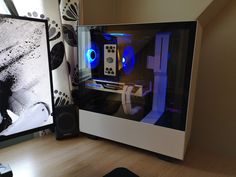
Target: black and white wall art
{"points": [[69, 10], [49, 10], [25, 83]]}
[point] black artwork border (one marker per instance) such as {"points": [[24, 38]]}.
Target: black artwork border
{"points": [[49, 126]]}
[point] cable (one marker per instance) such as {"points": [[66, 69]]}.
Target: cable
{"points": [[126, 101]]}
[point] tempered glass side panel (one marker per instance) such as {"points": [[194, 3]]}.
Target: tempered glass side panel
{"points": [[139, 72]]}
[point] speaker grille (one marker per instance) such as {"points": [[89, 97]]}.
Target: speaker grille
{"points": [[66, 120]]}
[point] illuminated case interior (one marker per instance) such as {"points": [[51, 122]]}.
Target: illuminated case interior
{"points": [[136, 72]]}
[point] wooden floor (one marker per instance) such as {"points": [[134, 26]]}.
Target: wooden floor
{"points": [[84, 157]]}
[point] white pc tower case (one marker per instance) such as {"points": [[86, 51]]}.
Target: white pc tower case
{"points": [[137, 83]]}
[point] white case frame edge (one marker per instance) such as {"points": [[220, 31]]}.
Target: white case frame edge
{"points": [[193, 82], [150, 137]]}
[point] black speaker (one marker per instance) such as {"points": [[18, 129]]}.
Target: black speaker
{"points": [[66, 121]]}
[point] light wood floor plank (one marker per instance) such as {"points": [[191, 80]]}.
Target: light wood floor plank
{"points": [[84, 157]]}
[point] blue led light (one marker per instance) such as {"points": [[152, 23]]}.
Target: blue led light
{"points": [[128, 59], [92, 55], [107, 37], [123, 60], [119, 34]]}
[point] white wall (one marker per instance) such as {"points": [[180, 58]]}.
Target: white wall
{"points": [[214, 123], [97, 11], [135, 11]]}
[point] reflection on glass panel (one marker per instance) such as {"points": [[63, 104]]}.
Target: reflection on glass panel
{"points": [[85, 42], [138, 72]]}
